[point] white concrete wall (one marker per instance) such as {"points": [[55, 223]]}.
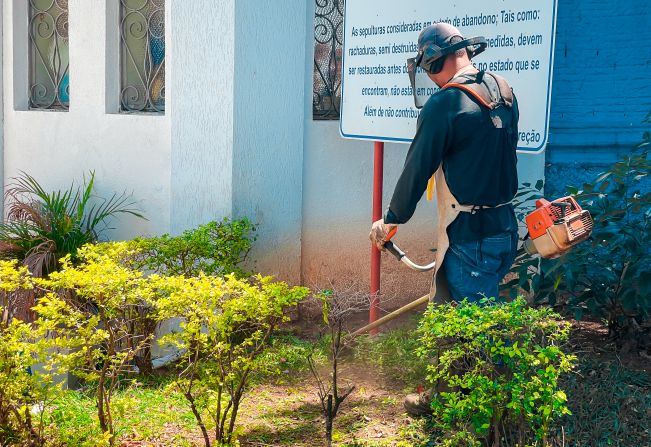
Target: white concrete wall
{"points": [[231, 142], [237, 121], [337, 193], [127, 152], [201, 107], [268, 133]]}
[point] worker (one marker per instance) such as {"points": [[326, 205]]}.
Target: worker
{"points": [[466, 138]]}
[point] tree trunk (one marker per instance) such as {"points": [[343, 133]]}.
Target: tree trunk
{"points": [[143, 361], [329, 421], [197, 415], [101, 415], [495, 428]]}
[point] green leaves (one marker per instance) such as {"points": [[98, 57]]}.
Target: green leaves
{"points": [[225, 326], [216, 248], [22, 346], [609, 276], [91, 321], [496, 363], [598, 277], [42, 226]]}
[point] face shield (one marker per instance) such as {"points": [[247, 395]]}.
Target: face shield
{"points": [[430, 59], [421, 84]]}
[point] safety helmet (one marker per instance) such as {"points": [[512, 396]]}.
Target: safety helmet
{"points": [[436, 42]]}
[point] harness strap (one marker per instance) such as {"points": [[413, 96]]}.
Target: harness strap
{"points": [[483, 95], [505, 89], [472, 92], [472, 209]]}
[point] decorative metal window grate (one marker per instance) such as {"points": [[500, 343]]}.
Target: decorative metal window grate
{"points": [[328, 38], [142, 32], [49, 80]]}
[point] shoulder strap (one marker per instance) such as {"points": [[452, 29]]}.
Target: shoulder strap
{"points": [[475, 91], [482, 94], [505, 89]]}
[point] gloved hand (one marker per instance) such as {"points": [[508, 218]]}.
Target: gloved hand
{"points": [[379, 233]]}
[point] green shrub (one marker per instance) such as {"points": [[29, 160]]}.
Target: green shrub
{"points": [[41, 227], [216, 248], [94, 310], [225, 326], [608, 277], [495, 370], [26, 391]]}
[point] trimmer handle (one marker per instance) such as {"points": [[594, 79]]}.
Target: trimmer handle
{"points": [[394, 250], [391, 248], [401, 256]]}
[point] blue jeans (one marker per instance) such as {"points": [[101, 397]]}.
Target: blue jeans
{"points": [[475, 269]]}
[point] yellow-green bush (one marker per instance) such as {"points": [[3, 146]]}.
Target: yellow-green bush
{"points": [[25, 390], [93, 310], [225, 326]]}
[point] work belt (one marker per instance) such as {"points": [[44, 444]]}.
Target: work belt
{"points": [[472, 209]]}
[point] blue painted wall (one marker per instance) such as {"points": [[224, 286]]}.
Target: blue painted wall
{"points": [[602, 87]]}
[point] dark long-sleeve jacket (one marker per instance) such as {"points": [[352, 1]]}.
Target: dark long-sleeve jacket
{"points": [[479, 162]]}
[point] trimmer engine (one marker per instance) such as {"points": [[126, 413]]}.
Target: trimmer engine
{"points": [[555, 227]]}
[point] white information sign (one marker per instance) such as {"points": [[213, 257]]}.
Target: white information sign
{"points": [[380, 35]]}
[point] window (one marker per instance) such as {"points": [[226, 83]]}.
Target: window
{"points": [[328, 38], [142, 55], [49, 81]]}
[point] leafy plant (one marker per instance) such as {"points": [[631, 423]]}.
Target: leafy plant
{"points": [[41, 227], [25, 392], [611, 277], [225, 326], [608, 277], [496, 371], [92, 309], [216, 248]]}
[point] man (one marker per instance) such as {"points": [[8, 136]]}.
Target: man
{"points": [[466, 137]]}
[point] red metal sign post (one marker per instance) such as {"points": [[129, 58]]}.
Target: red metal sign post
{"points": [[378, 175]]}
